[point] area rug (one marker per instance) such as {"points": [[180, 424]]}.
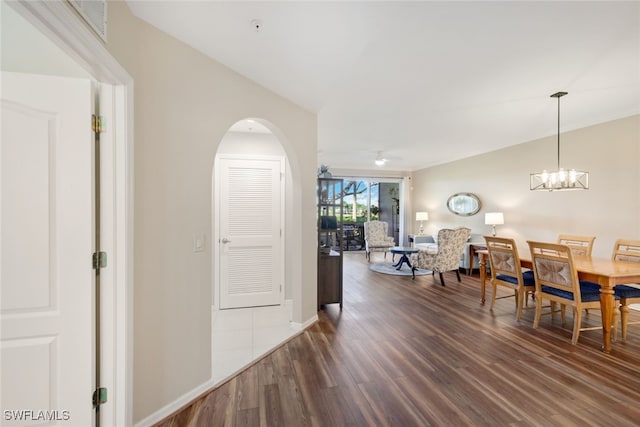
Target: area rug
{"points": [[388, 268]]}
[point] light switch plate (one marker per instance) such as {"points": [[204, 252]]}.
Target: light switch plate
{"points": [[198, 243]]}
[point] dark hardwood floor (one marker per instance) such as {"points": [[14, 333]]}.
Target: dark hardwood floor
{"points": [[413, 353]]}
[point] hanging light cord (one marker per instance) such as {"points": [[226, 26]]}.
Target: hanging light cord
{"points": [[559, 95], [559, 132]]}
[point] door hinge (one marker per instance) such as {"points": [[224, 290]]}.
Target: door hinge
{"points": [[97, 123], [99, 396], [99, 260]]}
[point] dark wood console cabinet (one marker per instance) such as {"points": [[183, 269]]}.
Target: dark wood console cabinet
{"points": [[330, 236]]}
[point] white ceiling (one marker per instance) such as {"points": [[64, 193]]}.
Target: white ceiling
{"points": [[424, 82]]}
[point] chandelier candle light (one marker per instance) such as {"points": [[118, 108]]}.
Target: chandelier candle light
{"points": [[422, 216], [559, 179], [493, 219]]}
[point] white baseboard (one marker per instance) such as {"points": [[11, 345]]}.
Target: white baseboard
{"points": [[172, 407], [300, 326], [634, 307]]}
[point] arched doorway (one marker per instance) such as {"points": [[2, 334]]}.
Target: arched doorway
{"points": [[251, 300]]}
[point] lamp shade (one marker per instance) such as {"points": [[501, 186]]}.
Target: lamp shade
{"points": [[422, 216], [494, 218]]}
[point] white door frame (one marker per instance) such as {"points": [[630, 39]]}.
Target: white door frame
{"points": [[61, 24]]}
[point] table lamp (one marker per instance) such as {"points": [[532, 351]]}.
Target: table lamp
{"points": [[493, 219], [422, 216]]}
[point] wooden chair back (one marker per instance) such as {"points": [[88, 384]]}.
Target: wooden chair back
{"points": [[553, 268], [580, 245], [503, 257], [626, 250]]}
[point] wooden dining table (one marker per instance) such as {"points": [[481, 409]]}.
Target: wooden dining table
{"points": [[604, 271]]}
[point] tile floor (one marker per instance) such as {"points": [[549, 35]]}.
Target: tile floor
{"points": [[244, 334]]}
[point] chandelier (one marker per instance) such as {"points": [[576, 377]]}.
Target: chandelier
{"points": [[560, 179]]}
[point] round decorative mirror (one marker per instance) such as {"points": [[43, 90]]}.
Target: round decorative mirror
{"points": [[465, 204]]}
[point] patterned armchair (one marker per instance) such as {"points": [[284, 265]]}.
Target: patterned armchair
{"points": [[451, 243], [376, 238]]}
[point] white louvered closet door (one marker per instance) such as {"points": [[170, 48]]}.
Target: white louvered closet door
{"points": [[250, 238]]}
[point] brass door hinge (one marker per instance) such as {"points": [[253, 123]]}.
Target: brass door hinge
{"points": [[99, 260], [97, 123], [99, 396]]}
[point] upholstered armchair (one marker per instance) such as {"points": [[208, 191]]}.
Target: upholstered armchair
{"points": [[376, 238], [451, 243]]}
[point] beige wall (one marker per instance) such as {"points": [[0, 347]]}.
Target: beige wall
{"points": [[184, 105], [610, 209]]}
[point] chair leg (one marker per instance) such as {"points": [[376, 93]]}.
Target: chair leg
{"points": [[458, 274], [614, 327], [493, 297], [536, 320], [624, 318], [520, 297], [441, 278], [367, 255], [413, 273], [577, 323]]}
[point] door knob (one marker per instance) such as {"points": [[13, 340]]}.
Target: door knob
{"points": [[225, 240]]}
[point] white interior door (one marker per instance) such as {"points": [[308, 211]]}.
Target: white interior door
{"points": [[46, 222], [250, 232]]}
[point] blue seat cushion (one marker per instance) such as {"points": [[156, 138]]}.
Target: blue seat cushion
{"points": [[527, 277], [623, 291], [589, 292]]}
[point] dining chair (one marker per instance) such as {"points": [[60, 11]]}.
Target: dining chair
{"points": [[451, 243], [556, 280], [376, 238], [580, 245], [626, 250], [506, 271]]}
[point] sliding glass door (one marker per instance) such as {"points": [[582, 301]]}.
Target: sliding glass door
{"points": [[367, 199]]}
